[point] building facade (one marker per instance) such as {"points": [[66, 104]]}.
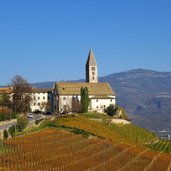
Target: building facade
{"points": [[42, 100], [67, 94]]}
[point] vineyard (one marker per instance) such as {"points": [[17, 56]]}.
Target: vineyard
{"points": [[57, 150], [162, 145]]}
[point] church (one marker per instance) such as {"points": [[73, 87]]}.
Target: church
{"points": [[67, 94]]}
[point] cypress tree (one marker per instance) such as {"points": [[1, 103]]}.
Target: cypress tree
{"points": [[84, 100]]}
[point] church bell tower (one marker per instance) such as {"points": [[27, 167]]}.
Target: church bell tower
{"points": [[91, 69]]}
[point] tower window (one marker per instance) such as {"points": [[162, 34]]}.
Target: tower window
{"points": [[93, 68], [93, 73], [93, 78]]}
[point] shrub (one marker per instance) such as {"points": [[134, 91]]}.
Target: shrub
{"points": [[5, 113], [12, 130], [2, 117], [121, 113], [14, 115], [111, 110], [116, 111], [22, 123], [5, 134]]}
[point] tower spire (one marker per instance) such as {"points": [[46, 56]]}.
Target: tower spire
{"points": [[91, 68]]}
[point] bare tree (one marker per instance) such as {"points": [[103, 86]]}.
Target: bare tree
{"points": [[75, 104], [21, 94], [44, 106]]}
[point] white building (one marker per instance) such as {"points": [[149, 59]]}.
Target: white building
{"points": [[42, 99], [67, 94]]}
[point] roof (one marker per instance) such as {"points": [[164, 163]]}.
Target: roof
{"points": [[6, 90], [9, 90], [101, 97], [41, 90], [73, 88], [91, 59]]}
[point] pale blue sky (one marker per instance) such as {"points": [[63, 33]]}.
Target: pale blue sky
{"points": [[49, 40]]}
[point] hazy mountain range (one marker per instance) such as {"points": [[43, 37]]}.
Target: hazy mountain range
{"points": [[145, 94]]}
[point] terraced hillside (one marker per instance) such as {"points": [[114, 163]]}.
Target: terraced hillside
{"points": [[69, 145]]}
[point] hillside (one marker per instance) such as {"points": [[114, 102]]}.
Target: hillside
{"points": [[79, 143], [145, 94]]}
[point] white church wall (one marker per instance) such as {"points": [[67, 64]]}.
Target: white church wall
{"points": [[101, 104], [95, 104]]}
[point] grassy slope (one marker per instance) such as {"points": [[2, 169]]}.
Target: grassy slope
{"points": [[127, 134]]}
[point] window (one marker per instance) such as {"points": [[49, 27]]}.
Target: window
{"points": [[93, 78], [93, 73], [64, 98], [97, 107], [34, 104], [38, 98], [93, 68], [111, 100], [38, 104], [44, 98], [104, 106], [96, 100]]}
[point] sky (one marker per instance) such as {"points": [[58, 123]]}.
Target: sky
{"points": [[49, 40]]}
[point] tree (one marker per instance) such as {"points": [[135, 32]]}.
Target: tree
{"points": [[12, 130], [75, 104], [21, 94], [5, 100], [110, 110], [44, 106], [84, 99], [116, 111], [22, 123], [5, 113], [5, 134]]}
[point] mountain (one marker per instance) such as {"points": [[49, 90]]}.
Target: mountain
{"points": [[145, 94]]}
